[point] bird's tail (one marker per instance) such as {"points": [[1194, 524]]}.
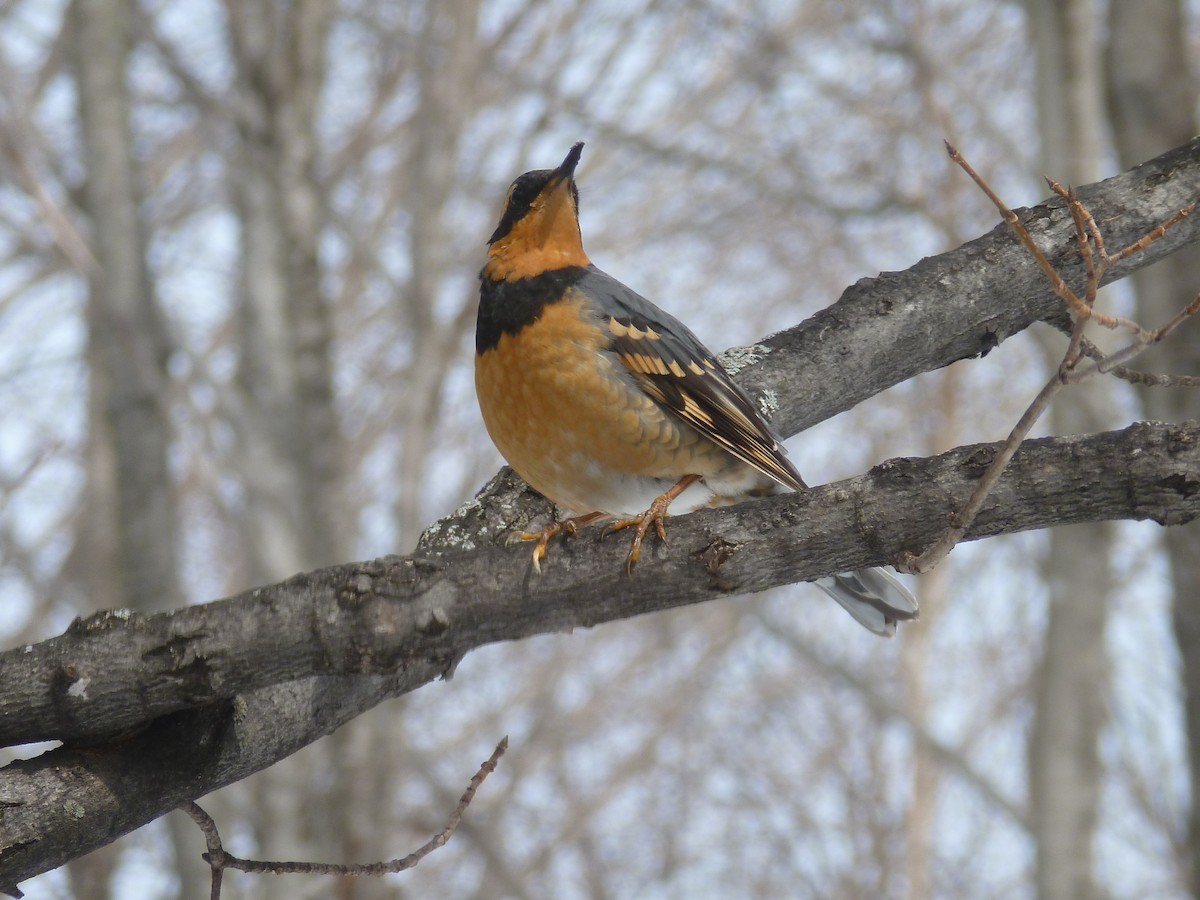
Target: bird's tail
{"points": [[876, 599]]}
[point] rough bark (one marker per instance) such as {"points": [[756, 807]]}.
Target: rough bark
{"points": [[960, 304], [233, 670], [408, 619]]}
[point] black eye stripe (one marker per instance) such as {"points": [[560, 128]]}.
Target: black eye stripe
{"points": [[521, 195], [526, 189]]}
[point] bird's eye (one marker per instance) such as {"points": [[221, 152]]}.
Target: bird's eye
{"points": [[507, 200]]}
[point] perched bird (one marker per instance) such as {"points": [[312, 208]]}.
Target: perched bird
{"points": [[611, 407]]}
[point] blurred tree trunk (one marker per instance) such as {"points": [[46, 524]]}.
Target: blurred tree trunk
{"points": [[288, 424], [446, 64], [1064, 764], [1153, 92], [286, 421], [915, 660], [128, 541], [927, 770], [126, 336]]}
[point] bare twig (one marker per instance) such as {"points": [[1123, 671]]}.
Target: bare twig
{"points": [[962, 520], [1060, 287], [1096, 260], [1136, 376], [1086, 232], [1151, 236], [1080, 213], [1142, 340], [218, 860], [215, 856]]}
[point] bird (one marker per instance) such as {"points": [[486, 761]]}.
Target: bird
{"points": [[611, 407]]}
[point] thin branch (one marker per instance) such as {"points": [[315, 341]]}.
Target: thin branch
{"points": [[1087, 233], [1151, 236], [961, 521], [218, 860], [1059, 286], [174, 677], [1143, 340], [1081, 213], [1136, 376], [1085, 229], [212, 839]]}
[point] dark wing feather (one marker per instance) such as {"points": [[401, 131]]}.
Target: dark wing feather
{"points": [[672, 366]]}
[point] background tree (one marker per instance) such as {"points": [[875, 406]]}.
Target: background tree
{"points": [[1151, 83], [1071, 681]]}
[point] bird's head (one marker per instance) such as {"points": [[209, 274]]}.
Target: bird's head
{"points": [[539, 228]]}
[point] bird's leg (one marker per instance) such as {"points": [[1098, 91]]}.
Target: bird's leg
{"points": [[570, 526], [652, 516]]}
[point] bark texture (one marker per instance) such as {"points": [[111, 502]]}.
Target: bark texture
{"points": [[232, 686]]}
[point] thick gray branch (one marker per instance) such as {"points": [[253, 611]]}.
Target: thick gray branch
{"points": [[114, 672], [961, 304], [403, 620], [221, 691]]}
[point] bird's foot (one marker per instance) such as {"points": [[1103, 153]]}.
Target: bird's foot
{"points": [[570, 526], [652, 518]]}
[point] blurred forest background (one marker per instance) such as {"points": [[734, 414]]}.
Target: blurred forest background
{"points": [[238, 253]]}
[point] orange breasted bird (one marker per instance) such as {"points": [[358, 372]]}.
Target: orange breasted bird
{"points": [[611, 407]]}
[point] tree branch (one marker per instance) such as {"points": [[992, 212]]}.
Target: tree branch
{"points": [[412, 618], [375, 629], [162, 710], [219, 859], [961, 304]]}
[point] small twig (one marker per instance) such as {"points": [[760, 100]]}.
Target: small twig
{"points": [[1154, 379], [218, 860], [1059, 286], [1190, 310], [1135, 376], [1106, 364], [1084, 219], [1087, 235], [1081, 212], [1144, 339], [215, 857], [1151, 236], [962, 519]]}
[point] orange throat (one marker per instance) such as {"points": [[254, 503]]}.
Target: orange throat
{"points": [[548, 238], [526, 262]]}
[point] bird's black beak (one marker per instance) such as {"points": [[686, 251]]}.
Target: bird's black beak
{"points": [[567, 169]]}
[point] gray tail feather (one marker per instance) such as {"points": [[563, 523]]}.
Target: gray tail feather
{"points": [[876, 599]]}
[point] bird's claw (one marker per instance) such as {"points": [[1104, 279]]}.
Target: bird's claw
{"points": [[569, 526], [655, 517]]}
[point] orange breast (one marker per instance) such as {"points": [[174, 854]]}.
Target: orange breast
{"points": [[568, 417]]}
